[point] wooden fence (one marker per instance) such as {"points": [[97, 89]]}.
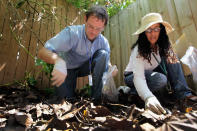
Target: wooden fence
{"points": [[24, 30], [181, 14]]}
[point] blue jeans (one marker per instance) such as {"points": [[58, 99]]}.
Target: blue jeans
{"points": [[98, 67], [157, 81]]}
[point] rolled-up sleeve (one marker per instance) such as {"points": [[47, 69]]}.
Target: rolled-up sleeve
{"points": [[107, 48], [139, 79]]}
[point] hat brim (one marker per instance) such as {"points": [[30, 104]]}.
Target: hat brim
{"points": [[168, 27]]}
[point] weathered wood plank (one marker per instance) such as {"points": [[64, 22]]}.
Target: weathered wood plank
{"points": [[4, 40], [13, 44], [115, 46], [173, 20], [193, 5], [186, 20], [123, 25]]}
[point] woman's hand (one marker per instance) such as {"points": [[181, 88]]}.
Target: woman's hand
{"points": [[154, 105]]}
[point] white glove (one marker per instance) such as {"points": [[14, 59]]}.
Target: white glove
{"points": [[59, 72], [113, 70], [153, 104]]}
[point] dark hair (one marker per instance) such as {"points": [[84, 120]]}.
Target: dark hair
{"points": [[98, 11], [165, 49]]}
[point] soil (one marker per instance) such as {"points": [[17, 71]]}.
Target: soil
{"points": [[31, 110]]}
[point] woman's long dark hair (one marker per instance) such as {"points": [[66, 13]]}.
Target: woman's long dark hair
{"points": [[165, 49]]}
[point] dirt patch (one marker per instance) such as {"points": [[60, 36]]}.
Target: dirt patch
{"points": [[29, 110]]}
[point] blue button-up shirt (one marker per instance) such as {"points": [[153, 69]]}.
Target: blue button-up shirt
{"points": [[74, 47]]}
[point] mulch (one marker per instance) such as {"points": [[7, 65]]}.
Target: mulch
{"points": [[28, 110]]}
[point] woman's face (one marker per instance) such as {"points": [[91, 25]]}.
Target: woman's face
{"points": [[152, 33]]}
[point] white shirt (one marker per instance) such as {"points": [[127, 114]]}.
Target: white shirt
{"points": [[137, 64]]}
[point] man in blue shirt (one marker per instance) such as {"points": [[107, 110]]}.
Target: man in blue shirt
{"points": [[79, 50]]}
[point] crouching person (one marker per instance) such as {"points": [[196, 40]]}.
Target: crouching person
{"points": [[153, 65], [84, 51]]}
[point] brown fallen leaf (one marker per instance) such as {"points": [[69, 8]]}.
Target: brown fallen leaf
{"points": [[24, 119], [70, 114]]}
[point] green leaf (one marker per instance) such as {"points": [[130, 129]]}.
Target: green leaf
{"points": [[31, 81], [49, 90], [38, 62], [85, 90]]}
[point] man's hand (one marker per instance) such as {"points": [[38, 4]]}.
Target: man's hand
{"points": [[115, 72], [153, 104], [59, 72]]}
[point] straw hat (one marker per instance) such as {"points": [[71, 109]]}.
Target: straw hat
{"points": [[151, 19]]}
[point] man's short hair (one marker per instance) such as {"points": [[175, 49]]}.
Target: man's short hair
{"points": [[98, 11]]}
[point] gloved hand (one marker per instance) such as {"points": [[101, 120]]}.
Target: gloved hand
{"points": [[153, 104], [59, 72], [115, 70]]}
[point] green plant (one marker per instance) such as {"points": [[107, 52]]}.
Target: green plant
{"points": [[29, 81], [81, 4], [85, 91], [113, 6], [46, 68], [49, 91], [20, 3]]}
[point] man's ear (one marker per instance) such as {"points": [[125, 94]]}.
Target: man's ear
{"points": [[85, 18]]}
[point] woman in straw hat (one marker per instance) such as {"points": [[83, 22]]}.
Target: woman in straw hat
{"points": [[153, 65]]}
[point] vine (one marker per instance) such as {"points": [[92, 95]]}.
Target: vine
{"points": [[113, 6], [19, 23]]}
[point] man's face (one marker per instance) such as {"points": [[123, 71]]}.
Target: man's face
{"points": [[93, 27]]}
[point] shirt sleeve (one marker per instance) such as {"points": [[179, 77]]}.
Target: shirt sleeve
{"points": [[105, 46], [63, 41], [108, 50], [139, 79]]}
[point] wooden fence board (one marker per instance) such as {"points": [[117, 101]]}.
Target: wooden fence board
{"points": [[163, 10], [33, 42], [133, 26], [137, 16], [173, 20], [46, 82], [115, 49], [11, 46], [130, 30], [39, 44], [123, 37], [22, 55], [186, 20], [193, 5], [153, 5], [3, 29], [144, 7]]}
